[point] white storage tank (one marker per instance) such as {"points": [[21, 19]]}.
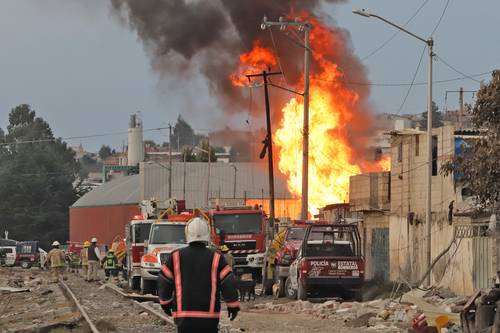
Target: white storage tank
{"points": [[135, 143]]}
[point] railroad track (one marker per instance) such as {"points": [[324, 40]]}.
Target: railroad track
{"points": [[108, 308]]}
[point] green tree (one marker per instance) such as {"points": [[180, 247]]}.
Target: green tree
{"points": [[188, 155], [37, 173], [202, 155], [183, 134], [478, 165], [437, 117], [105, 152]]}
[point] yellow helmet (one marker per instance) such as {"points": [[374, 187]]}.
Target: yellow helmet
{"points": [[86, 244], [224, 248]]}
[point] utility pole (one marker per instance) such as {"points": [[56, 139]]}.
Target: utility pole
{"points": [[461, 112], [306, 27], [234, 183], [268, 145], [170, 162], [208, 180], [184, 178], [428, 210]]}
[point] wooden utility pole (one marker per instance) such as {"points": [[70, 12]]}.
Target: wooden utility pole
{"points": [[268, 143]]}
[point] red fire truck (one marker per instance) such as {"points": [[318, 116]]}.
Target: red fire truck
{"points": [[137, 233], [243, 231]]}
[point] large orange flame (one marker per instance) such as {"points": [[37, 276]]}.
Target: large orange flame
{"points": [[331, 108]]}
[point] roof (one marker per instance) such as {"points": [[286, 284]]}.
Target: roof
{"points": [[252, 181], [122, 191]]}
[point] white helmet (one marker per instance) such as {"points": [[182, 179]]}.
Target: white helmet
{"points": [[93, 240], [197, 230], [56, 243]]}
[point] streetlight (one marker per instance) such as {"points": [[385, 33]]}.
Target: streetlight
{"points": [[235, 172], [428, 215], [209, 162]]}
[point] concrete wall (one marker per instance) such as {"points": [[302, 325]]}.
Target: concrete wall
{"points": [[408, 241], [369, 191]]}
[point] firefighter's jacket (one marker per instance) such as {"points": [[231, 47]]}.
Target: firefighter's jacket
{"points": [[193, 279], [56, 257], [84, 256], [110, 261]]}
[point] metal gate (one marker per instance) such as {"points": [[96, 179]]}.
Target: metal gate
{"points": [[380, 253], [482, 270]]}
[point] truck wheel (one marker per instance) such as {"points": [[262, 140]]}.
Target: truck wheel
{"points": [[25, 264], [289, 291], [302, 292], [148, 287], [134, 283]]}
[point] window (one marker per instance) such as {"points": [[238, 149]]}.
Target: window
{"points": [[238, 223], [434, 155], [417, 145], [400, 152]]}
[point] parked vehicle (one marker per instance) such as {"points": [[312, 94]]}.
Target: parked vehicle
{"points": [[7, 255], [328, 262], [165, 237], [27, 254], [243, 231], [136, 235]]}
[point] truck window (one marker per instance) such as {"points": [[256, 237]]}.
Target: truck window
{"points": [[238, 223], [296, 234], [167, 234], [328, 244], [141, 232]]}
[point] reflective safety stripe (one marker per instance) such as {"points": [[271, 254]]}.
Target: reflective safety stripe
{"points": [[225, 272], [167, 272], [215, 266], [235, 304], [196, 314], [178, 283], [166, 302]]}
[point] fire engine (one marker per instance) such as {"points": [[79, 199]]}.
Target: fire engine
{"points": [[165, 236], [243, 230], [136, 234]]}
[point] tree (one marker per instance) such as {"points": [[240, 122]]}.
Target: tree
{"points": [[188, 155], [37, 173], [437, 118], [105, 152], [183, 134], [202, 156], [478, 165]]}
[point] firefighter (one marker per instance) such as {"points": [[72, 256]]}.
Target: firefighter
{"points": [[192, 280], [84, 259], [228, 256], [110, 265], [55, 258], [94, 256]]}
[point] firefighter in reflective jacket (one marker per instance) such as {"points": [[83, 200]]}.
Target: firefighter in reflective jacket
{"points": [[192, 280]]}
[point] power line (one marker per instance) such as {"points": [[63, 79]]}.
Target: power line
{"points": [[441, 17], [395, 33], [76, 137], [456, 70], [402, 84], [412, 81]]}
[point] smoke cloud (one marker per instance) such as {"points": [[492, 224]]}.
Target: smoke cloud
{"points": [[210, 35]]}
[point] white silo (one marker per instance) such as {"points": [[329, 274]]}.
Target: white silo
{"points": [[135, 144]]}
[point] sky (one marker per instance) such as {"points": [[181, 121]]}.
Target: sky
{"points": [[84, 71]]}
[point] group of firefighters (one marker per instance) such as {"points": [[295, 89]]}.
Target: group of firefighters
{"points": [[89, 259], [191, 284]]}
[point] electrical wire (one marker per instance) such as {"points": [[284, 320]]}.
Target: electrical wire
{"points": [[440, 18], [395, 33], [276, 51], [456, 70], [412, 81], [402, 84], [76, 137]]}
